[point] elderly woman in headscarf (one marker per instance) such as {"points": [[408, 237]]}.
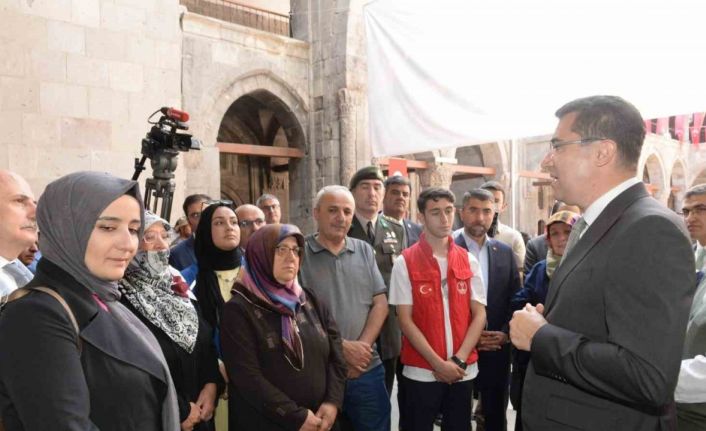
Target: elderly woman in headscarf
{"points": [[534, 291], [281, 346], [111, 375], [159, 296]]}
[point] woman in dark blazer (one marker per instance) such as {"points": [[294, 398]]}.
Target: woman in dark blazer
{"points": [[112, 376], [281, 346], [159, 296]]}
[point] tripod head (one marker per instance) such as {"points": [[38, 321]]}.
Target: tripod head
{"points": [[162, 146]]}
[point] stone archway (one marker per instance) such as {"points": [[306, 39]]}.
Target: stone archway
{"points": [[259, 108], [259, 118], [678, 186], [248, 83], [487, 155], [700, 178], [654, 177]]}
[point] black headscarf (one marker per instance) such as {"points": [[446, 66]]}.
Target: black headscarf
{"points": [[211, 258]]}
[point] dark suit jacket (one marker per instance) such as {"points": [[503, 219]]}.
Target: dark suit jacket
{"points": [[617, 309], [412, 231], [388, 244], [114, 384], [182, 255], [536, 251], [503, 282], [692, 416]]}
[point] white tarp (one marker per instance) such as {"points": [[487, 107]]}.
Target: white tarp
{"points": [[448, 73]]}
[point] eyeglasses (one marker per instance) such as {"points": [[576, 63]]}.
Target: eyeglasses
{"points": [[248, 223], [269, 207], [697, 210], [151, 237], [556, 143], [283, 251]]}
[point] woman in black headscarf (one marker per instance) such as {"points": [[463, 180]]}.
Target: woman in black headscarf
{"points": [[218, 258], [112, 376], [159, 296]]}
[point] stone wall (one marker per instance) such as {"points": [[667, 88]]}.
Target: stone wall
{"points": [[224, 61], [78, 79]]}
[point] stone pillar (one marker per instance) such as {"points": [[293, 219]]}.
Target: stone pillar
{"points": [[436, 175], [347, 119]]}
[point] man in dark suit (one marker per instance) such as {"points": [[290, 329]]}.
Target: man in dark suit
{"points": [[182, 255], [395, 205], [690, 393], [606, 346], [386, 237], [502, 279]]}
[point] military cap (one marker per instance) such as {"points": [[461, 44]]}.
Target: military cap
{"points": [[366, 173]]}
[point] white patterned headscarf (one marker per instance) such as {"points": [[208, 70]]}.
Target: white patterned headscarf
{"points": [[147, 286]]}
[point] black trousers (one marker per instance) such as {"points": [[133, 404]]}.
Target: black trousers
{"points": [[516, 385], [424, 400], [493, 405]]}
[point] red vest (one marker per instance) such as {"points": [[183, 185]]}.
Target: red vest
{"points": [[428, 307]]}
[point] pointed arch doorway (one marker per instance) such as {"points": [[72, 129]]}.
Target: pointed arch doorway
{"points": [[260, 142]]}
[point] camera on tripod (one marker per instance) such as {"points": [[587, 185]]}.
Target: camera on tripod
{"points": [[163, 135], [162, 146]]}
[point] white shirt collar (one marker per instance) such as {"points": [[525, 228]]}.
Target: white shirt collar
{"points": [[3, 261], [597, 207], [364, 221], [471, 242]]}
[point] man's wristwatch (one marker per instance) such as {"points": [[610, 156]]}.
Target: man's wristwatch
{"points": [[459, 362]]}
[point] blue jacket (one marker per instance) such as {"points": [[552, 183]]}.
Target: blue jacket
{"points": [[535, 289], [183, 255]]}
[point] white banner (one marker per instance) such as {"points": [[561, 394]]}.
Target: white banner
{"points": [[448, 73]]}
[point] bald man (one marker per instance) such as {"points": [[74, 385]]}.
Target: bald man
{"points": [[250, 219], [18, 230]]}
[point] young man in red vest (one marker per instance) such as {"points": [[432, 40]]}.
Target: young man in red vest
{"points": [[438, 290]]}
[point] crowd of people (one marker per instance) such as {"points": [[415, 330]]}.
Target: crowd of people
{"points": [[230, 319]]}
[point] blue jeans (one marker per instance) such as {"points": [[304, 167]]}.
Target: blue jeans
{"points": [[366, 404]]}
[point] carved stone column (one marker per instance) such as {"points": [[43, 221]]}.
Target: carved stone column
{"points": [[347, 122], [436, 175]]}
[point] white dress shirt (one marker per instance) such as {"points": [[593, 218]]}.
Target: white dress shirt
{"points": [[597, 207], [8, 281]]}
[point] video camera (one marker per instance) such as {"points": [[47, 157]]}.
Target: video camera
{"points": [[162, 146]]}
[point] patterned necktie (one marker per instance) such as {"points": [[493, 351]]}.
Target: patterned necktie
{"points": [[576, 232], [18, 272], [699, 258], [371, 232]]}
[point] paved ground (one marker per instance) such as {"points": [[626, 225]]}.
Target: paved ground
{"points": [[396, 413]]}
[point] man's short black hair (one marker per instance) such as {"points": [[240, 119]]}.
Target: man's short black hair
{"points": [[433, 193], [192, 199], [609, 117], [494, 186], [396, 180], [481, 194]]}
